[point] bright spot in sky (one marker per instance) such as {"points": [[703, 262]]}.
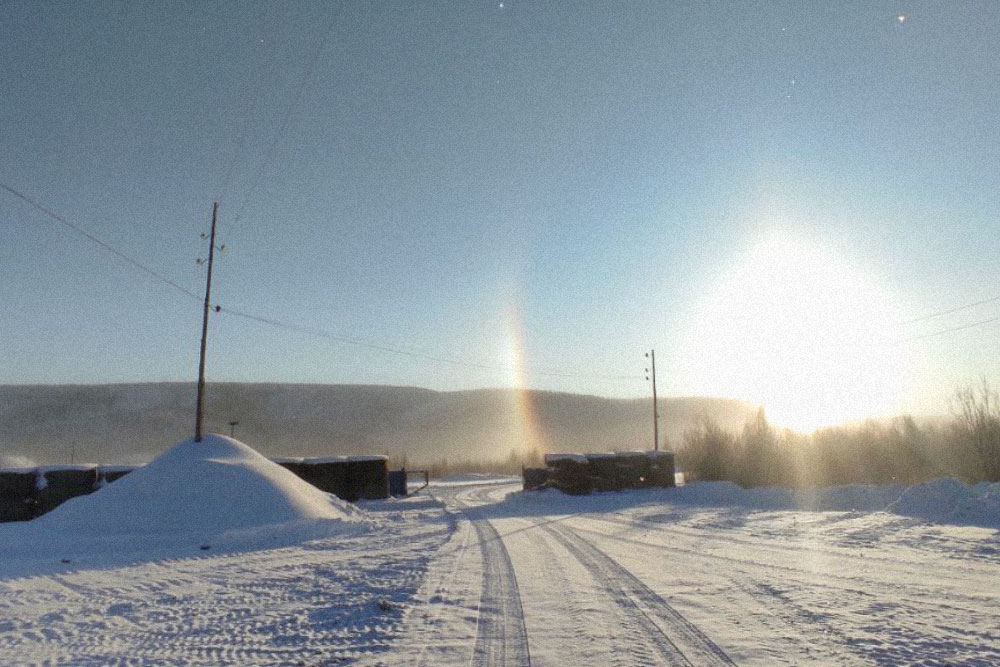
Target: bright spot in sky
{"points": [[901, 18], [798, 332]]}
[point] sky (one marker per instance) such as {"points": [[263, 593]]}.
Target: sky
{"points": [[483, 194]]}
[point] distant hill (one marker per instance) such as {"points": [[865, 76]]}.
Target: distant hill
{"points": [[130, 423]]}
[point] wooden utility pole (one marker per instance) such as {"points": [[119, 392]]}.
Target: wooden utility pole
{"points": [[200, 409], [656, 415]]}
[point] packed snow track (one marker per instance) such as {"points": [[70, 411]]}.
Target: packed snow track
{"points": [[639, 626], [479, 573], [500, 635], [636, 578]]}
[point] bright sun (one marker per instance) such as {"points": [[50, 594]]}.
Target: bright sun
{"points": [[792, 329]]}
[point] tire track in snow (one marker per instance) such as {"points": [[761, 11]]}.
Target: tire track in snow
{"points": [[644, 605], [438, 598], [854, 582], [813, 601], [501, 638], [626, 645], [907, 567], [589, 625]]}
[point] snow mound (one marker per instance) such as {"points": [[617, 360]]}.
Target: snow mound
{"points": [[950, 501], [945, 500], [212, 486], [848, 498]]}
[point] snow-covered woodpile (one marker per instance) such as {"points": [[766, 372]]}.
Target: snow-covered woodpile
{"points": [[579, 474], [350, 478], [29, 492], [16, 493], [26, 493]]}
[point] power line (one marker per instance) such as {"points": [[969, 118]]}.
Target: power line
{"points": [[96, 241], [299, 328], [322, 333], [952, 310], [286, 117], [250, 112], [359, 342], [950, 330]]}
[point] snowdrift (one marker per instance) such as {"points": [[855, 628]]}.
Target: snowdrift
{"points": [[215, 485], [945, 500], [951, 501], [217, 494]]}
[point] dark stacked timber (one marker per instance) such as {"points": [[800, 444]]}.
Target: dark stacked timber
{"points": [[350, 478], [17, 494], [582, 473], [661, 469], [634, 469], [604, 470], [328, 473], [57, 484], [570, 473], [535, 478], [367, 477]]}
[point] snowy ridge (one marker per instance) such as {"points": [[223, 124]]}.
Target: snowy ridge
{"points": [[944, 500], [950, 501]]}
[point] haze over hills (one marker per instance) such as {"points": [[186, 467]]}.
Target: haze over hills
{"points": [[131, 423]]}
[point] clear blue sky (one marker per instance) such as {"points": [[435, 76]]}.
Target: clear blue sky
{"points": [[448, 177]]}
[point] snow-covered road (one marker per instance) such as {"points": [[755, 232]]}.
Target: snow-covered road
{"points": [[626, 579], [639, 626], [480, 574]]}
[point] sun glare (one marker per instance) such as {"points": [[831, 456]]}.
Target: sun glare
{"points": [[794, 330]]}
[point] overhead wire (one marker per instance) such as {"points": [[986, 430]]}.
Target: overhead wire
{"points": [[98, 242], [289, 326], [249, 112], [359, 342], [952, 310], [287, 115], [949, 330], [255, 183], [322, 333]]}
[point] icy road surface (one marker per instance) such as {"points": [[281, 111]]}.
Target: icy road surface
{"points": [[481, 575]]}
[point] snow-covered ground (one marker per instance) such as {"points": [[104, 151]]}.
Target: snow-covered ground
{"points": [[479, 572]]}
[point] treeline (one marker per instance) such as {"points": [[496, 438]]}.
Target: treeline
{"points": [[875, 452], [512, 464]]}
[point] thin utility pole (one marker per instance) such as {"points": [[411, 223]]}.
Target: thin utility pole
{"points": [[200, 411], [656, 416]]}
